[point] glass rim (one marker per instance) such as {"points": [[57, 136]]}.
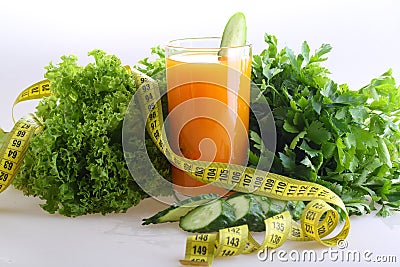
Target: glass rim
{"points": [[171, 44]]}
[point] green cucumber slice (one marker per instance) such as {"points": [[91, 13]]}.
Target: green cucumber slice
{"points": [[208, 218], [277, 206], [295, 208], [176, 211], [248, 211], [235, 31], [265, 203]]}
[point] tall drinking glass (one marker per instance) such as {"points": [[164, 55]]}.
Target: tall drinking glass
{"points": [[208, 90]]}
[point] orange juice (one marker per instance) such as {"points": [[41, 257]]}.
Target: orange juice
{"points": [[208, 104]]}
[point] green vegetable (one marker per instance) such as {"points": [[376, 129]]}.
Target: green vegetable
{"points": [[247, 211], [208, 218], [77, 163], [273, 207], [295, 208], [235, 33], [176, 211], [3, 136], [265, 204], [154, 65], [277, 206], [201, 214], [346, 140]]}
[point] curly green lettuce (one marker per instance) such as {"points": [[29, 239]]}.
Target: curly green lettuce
{"points": [[3, 136], [77, 163]]}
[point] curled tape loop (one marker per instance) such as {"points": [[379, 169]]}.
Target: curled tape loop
{"points": [[318, 220]]}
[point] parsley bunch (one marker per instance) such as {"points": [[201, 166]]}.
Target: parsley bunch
{"points": [[346, 140]]}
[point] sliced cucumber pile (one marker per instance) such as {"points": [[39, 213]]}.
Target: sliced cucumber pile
{"points": [[210, 213]]}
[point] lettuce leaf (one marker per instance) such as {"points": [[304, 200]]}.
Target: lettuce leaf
{"points": [[3, 136]]}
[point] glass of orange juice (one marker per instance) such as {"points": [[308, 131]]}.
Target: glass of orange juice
{"points": [[208, 91]]}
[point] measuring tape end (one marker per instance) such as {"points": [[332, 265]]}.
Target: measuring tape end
{"points": [[194, 263]]}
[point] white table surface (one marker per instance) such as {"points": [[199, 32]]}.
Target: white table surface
{"points": [[31, 237], [364, 35]]}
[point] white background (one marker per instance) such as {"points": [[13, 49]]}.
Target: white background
{"points": [[365, 36]]}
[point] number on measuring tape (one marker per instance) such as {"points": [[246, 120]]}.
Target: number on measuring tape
{"points": [[201, 237], [199, 171], [8, 165], [236, 177], [3, 176], [199, 250], [223, 175], [232, 241], [16, 143], [279, 226], [12, 154]]}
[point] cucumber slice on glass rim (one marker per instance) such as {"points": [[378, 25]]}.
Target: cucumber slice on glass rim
{"points": [[235, 33]]}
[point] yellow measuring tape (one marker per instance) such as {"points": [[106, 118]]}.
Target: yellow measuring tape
{"points": [[318, 220], [14, 148]]}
